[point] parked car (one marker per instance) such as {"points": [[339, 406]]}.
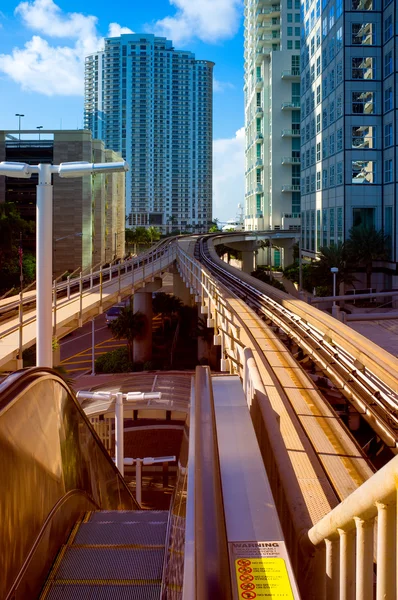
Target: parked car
{"points": [[113, 313]]}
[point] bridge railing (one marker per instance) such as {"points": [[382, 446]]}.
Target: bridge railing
{"points": [[360, 535]]}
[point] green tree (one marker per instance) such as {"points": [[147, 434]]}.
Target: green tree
{"points": [[129, 325], [12, 226], [364, 245], [153, 234], [333, 256], [166, 305]]}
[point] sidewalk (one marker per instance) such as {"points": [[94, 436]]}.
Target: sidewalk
{"points": [[383, 333]]}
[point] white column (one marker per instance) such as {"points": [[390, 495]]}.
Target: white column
{"points": [[44, 242], [119, 432]]}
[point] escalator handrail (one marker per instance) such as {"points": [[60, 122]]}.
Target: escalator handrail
{"points": [[14, 385], [211, 545]]}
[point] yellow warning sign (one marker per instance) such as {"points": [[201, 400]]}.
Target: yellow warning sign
{"points": [[263, 578]]}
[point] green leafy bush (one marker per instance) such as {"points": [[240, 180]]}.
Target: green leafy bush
{"points": [[116, 361]]}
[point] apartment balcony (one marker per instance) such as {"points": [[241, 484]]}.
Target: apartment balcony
{"points": [[259, 111], [293, 105], [291, 74], [259, 162], [261, 52], [293, 133], [259, 137], [291, 160], [259, 189], [272, 11], [290, 188], [291, 221], [259, 83]]}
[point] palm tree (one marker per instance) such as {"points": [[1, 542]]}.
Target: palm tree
{"points": [[333, 256], [129, 325], [364, 245], [166, 305], [153, 233]]}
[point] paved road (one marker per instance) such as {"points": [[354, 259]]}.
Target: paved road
{"points": [[76, 348]]}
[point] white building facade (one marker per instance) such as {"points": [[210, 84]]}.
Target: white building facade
{"points": [[153, 104], [272, 114], [348, 124]]}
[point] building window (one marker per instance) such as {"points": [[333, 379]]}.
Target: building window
{"points": [[297, 45], [388, 135], [324, 179], [363, 68], [290, 44], [318, 123], [388, 64], [388, 28], [339, 39], [290, 31], [363, 171], [363, 103], [339, 179], [324, 118], [388, 171], [312, 182], [318, 151], [318, 66], [339, 106], [318, 94], [339, 139], [364, 138], [388, 229], [331, 144], [318, 180], [312, 155], [325, 148], [331, 176], [388, 99], [290, 17], [331, 112], [339, 8], [361, 4], [363, 34], [363, 217], [331, 226]]}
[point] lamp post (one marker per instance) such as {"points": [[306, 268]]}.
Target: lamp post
{"points": [[334, 271], [19, 123], [39, 127], [44, 236]]}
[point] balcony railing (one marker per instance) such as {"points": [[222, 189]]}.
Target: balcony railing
{"points": [[291, 216], [293, 105], [259, 110], [259, 162], [291, 74], [259, 189], [290, 132], [259, 82], [259, 137], [290, 188], [291, 160]]}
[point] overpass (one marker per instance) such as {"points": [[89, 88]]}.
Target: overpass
{"points": [[321, 481]]}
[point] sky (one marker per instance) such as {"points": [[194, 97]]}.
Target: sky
{"points": [[42, 48]]}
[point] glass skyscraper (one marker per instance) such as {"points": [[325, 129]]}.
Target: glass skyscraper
{"points": [[348, 122], [153, 104], [272, 114]]}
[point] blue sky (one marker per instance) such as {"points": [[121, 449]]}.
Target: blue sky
{"points": [[42, 49]]}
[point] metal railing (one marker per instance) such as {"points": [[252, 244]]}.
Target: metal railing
{"points": [[208, 568], [359, 532]]}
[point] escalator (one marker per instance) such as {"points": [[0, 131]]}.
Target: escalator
{"points": [[70, 528], [111, 554]]}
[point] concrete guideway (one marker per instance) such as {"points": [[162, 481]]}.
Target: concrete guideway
{"points": [[79, 308]]}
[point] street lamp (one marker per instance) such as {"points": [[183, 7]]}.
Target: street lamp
{"points": [[19, 121], [334, 270], [39, 127], [44, 236]]}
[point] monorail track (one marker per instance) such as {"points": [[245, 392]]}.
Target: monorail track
{"points": [[372, 398]]}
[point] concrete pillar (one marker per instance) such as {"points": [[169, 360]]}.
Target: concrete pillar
{"points": [[181, 290], [142, 347], [202, 344], [287, 256], [247, 261]]}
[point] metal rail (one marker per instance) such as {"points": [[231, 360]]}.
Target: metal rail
{"points": [[374, 399]]}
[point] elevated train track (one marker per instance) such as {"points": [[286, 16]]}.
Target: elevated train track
{"points": [[368, 382]]}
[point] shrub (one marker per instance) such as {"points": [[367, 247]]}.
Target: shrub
{"points": [[116, 361]]}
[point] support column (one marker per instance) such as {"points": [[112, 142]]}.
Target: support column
{"points": [[247, 261], [181, 290], [142, 347]]}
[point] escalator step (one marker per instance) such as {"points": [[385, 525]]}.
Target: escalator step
{"points": [[110, 563], [121, 534], [103, 592], [126, 516]]}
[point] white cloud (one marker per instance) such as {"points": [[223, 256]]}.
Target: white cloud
{"points": [[54, 70], [228, 175], [221, 86], [115, 30], [207, 20]]}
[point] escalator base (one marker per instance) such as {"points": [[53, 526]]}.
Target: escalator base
{"points": [[112, 591]]}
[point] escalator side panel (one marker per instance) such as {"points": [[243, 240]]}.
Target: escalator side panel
{"points": [[47, 451]]}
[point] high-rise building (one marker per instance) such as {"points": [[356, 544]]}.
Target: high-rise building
{"points": [[153, 104], [88, 212], [272, 114], [348, 123]]}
